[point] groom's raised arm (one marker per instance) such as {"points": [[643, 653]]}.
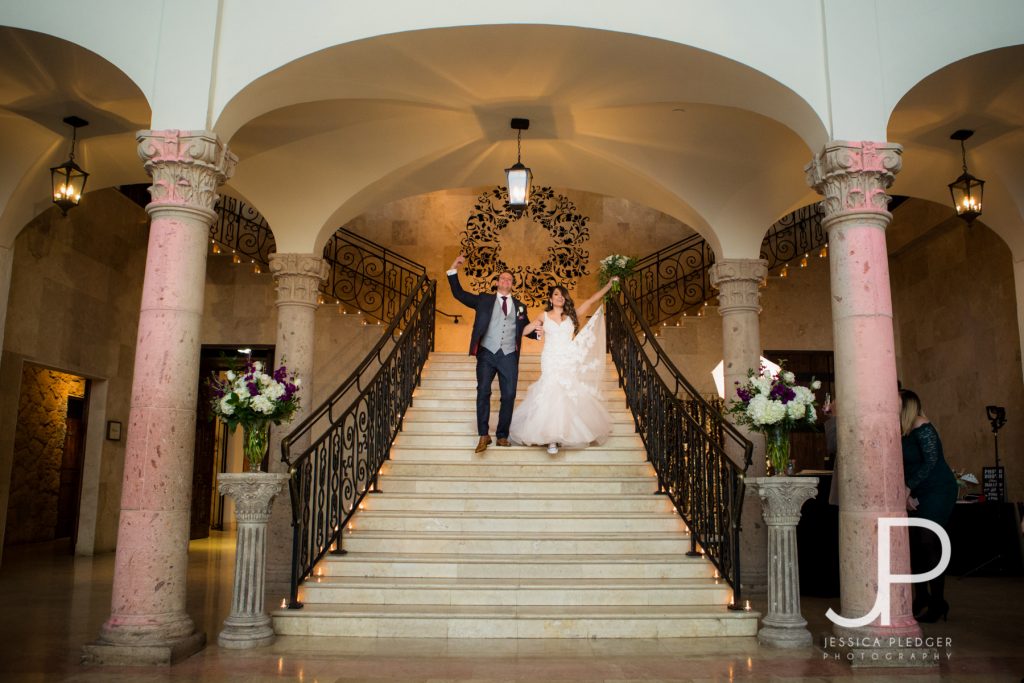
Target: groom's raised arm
{"points": [[461, 295]]}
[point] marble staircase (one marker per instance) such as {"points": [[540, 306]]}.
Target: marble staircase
{"points": [[513, 543]]}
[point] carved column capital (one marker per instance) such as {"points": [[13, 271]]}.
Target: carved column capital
{"points": [[298, 278], [853, 177], [738, 282], [782, 497], [186, 167], [253, 493]]}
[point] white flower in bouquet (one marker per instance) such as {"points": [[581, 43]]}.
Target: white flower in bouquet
{"points": [[615, 265], [250, 396], [766, 401]]}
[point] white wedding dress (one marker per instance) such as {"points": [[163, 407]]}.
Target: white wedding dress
{"points": [[564, 406]]}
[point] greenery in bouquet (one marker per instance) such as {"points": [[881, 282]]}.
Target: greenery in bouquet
{"points": [[249, 396], [615, 265], [766, 401]]}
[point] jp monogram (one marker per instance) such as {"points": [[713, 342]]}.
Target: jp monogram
{"points": [[886, 579]]}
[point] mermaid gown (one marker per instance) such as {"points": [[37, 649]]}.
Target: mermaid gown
{"points": [[564, 406]]}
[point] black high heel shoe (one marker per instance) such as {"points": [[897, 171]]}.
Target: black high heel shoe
{"points": [[936, 610]]}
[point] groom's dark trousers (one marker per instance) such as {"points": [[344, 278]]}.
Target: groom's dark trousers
{"points": [[506, 366]]}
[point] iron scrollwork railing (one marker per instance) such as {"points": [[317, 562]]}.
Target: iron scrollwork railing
{"points": [[675, 281], [700, 458], [363, 274], [368, 276], [350, 435]]}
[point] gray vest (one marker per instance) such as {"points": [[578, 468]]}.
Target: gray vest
{"points": [[501, 331]]}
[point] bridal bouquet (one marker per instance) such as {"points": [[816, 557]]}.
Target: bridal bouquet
{"points": [[613, 265], [252, 398], [775, 405]]}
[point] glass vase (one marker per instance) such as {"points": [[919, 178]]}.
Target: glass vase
{"points": [[776, 442], [255, 439]]}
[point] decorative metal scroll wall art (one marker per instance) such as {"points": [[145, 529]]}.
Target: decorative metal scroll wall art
{"points": [[563, 263]]}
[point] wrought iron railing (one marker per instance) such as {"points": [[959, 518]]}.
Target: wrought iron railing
{"points": [[368, 276], [675, 281], [700, 458], [363, 274], [350, 435]]}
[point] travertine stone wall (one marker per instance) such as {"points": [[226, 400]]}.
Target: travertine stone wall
{"points": [[955, 308], [74, 305], [38, 451]]}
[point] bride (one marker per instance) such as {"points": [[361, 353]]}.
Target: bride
{"points": [[564, 406]]}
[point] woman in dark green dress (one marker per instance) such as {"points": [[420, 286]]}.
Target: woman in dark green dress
{"points": [[931, 494]]}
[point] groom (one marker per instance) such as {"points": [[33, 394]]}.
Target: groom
{"points": [[497, 333]]}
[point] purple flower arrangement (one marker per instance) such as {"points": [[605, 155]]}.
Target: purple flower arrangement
{"points": [[249, 396]]}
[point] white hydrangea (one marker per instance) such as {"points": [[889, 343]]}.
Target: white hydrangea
{"points": [[273, 390], [788, 377], [231, 376], [764, 411], [763, 384], [225, 406], [261, 404]]}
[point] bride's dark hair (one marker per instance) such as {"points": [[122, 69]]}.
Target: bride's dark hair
{"points": [[568, 308]]}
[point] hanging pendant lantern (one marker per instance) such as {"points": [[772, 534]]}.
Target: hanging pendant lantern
{"points": [[966, 191], [519, 176], [68, 179]]}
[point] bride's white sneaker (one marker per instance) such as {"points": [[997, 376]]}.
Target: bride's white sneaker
{"points": [[552, 449]]}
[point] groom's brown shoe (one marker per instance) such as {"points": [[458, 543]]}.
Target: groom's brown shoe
{"points": [[504, 442], [485, 441]]}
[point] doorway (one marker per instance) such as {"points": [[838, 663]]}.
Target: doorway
{"points": [[49, 450], [216, 449]]}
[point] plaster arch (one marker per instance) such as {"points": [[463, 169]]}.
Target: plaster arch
{"points": [[667, 125], [984, 93], [42, 80]]}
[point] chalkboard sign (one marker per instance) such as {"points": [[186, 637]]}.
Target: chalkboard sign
{"points": [[993, 484]]}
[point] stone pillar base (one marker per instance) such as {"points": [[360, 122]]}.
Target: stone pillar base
{"points": [[245, 634], [796, 636], [101, 653]]}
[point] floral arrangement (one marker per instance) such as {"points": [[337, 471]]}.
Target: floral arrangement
{"points": [[615, 265], [775, 405], [252, 398]]}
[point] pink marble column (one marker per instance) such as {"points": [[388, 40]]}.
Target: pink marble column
{"points": [[853, 177], [148, 623], [739, 303], [298, 278]]}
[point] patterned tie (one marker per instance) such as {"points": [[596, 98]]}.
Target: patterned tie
{"points": [[504, 305]]}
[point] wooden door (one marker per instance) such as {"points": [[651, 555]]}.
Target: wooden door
{"points": [[71, 471]]}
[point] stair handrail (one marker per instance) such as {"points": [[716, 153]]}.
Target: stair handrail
{"points": [[357, 424], [675, 280], [700, 458], [362, 273]]}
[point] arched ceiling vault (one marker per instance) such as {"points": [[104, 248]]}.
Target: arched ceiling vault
{"points": [[710, 141], [984, 93]]}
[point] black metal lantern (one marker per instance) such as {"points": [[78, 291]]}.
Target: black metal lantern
{"points": [[519, 176], [69, 178], [966, 190]]}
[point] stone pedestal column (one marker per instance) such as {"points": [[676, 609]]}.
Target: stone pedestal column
{"points": [[297, 278], [781, 500], [853, 176], [248, 625], [739, 303], [148, 623]]}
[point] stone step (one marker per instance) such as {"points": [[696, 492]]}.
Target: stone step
{"points": [[487, 469], [520, 454], [522, 522], [467, 402], [467, 379], [512, 543], [515, 621], [608, 395], [472, 486], [467, 425], [559, 502], [486, 592], [408, 438], [467, 416], [525, 566]]}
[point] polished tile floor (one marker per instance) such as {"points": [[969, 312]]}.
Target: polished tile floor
{"points": [[57, 602]]}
